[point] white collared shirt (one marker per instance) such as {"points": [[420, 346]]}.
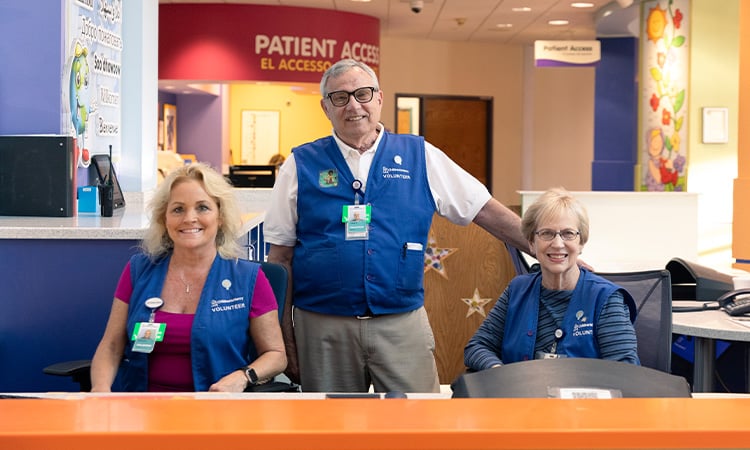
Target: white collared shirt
{"points": [[458, 195]]}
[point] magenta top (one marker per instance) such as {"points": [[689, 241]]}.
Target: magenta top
{"points": [[169, 366]]}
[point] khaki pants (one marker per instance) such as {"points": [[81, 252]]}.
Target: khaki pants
{"points": [[345, 354]]}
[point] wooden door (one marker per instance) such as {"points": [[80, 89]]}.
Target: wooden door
{"points": [[461, 127]]}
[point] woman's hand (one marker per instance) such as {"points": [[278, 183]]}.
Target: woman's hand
{"points": [[234, 382]]}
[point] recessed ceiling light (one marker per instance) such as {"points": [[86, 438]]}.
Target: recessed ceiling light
{"points": [[582, 5], [361, 1], [558, 22], [521, 9], [503, 26]]}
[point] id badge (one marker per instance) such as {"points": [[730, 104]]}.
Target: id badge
{"points": [[356, 219], [146, 334]]}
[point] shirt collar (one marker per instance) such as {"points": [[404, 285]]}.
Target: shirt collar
{"points": [[347, 150]]}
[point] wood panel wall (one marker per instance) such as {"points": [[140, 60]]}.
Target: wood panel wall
{"points": [[473, 259]]}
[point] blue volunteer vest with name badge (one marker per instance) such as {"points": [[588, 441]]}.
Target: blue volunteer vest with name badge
{"points": [[340, 277], [579, 323], [219, 339]]}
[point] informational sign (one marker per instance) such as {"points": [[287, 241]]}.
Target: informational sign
{"points": [[567, 53], [92, 77], [261, 42]]}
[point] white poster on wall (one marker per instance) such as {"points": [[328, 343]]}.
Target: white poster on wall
{"points": [[260, 136]]}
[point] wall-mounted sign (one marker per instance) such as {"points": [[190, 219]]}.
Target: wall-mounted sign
{"points": [[567, 53], [260, 42], [91, 77]]}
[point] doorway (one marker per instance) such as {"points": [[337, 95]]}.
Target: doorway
{"points": [[460, 126]]}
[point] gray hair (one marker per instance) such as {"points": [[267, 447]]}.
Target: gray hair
{"points": [[342, 67]]}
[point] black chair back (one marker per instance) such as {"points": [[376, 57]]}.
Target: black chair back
{"points": [[652, 292], [542, 378]]}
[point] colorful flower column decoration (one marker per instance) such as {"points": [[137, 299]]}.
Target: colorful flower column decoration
{"points": [[663, 110]]}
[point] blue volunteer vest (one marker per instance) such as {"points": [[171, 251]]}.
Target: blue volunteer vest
{"points": [[219, 339], [579, 323], [385, 272]]}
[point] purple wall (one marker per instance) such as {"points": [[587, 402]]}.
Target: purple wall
{"points": [[199, 127], [31, 49]]}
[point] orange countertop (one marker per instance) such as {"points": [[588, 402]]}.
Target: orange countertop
{"points": [[186, 423]]}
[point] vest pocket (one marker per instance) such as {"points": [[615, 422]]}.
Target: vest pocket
{"points": [[410, 269], [316, 271]]}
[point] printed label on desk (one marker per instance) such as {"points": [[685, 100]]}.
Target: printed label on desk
{"points": [[583, 392]]}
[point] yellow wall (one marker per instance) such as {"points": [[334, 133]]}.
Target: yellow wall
{"points": [[714, 82], [300, 120]]}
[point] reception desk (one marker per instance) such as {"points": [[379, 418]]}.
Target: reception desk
{"points": [[187, 422]]}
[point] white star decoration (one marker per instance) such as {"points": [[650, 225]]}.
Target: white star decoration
{"points": [[434, 256], [476, 304]]}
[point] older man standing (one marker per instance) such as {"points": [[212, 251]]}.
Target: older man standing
{"points": [[350, 216]]}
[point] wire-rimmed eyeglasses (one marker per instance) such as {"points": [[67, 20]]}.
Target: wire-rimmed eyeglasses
{"points": [[566, 235], [361, 95]]}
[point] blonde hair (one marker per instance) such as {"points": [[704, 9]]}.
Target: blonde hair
{"points": [[552, 204], [157, 242]]}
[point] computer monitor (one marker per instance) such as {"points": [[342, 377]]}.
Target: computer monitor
{"points": [[103, 169], [252, 176]]}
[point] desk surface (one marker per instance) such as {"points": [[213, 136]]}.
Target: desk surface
{"points": [[129, 222], [186, 422], [714, 324]]}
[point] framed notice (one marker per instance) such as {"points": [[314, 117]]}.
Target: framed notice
{"points": [[170, 127], [260, 136], [715, 125]]}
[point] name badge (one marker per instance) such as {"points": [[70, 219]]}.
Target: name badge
{"points": [[356, 219], [146, 335]]}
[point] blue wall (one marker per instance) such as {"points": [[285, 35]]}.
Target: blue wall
{"points": [[616, 116], [56, 296]]}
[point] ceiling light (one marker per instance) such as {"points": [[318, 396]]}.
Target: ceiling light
{"points": [[503, 26], [521, 9], [582, 5], [361, 1], [558, 22]]}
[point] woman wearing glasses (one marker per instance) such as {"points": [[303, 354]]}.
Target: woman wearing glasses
{"points": [[561, 311]]}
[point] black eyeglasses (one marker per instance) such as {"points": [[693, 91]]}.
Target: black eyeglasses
{"points": [[341, 98], [566, 235]]}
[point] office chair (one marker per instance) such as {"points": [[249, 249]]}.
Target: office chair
{"points": [[80, 370], [542, 378], [652, 292]]}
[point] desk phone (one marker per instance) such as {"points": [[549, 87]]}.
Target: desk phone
{"points": [[735, 303]]}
